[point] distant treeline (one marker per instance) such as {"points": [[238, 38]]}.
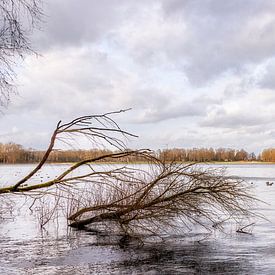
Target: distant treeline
{"points": [[205, 154], [268, 155], [15, 153]]}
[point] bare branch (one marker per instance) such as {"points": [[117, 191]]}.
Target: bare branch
{"points": [[75, 127], [170, 193], [132, 197], [17, 21]]}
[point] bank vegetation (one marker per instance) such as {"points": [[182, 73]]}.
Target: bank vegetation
{"points": [[11, 153]]}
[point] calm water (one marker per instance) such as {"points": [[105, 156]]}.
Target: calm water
{"points": [[26, 249]]}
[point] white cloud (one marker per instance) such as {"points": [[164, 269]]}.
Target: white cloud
{"points": [[196, 73]]}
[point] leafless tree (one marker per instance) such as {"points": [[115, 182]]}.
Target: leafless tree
{"points": [[165, 195], [156, 196], [17, 20]]}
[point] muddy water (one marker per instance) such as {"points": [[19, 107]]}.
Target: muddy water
{"points": [[26, 249]]}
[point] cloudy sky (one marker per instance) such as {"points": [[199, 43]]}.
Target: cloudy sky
{"points": [[196, 73]]}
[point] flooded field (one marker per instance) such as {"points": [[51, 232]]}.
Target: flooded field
{"points": [[26, 249]]}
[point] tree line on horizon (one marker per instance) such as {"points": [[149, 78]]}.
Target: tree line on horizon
{"points": [[11, 153]]}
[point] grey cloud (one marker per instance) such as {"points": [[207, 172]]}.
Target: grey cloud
{"points": [[221, 36], [242, 106], [207, 101], [70, 23], [223, 119], [173, 109], [81, 81], [54, 91], [268, 80], [159, 106], [234, 90], [201, 38], [233, 8]]}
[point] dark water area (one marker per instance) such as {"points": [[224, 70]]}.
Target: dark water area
{"points": [[57, 249]]}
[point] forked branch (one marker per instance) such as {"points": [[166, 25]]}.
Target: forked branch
{"points": [[135, 197], [97, 128]]}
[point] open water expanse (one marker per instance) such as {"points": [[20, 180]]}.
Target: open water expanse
{"points": [[26, 249]]}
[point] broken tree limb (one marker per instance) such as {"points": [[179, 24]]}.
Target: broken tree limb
{"points": [[86, 126], [147, 197]]}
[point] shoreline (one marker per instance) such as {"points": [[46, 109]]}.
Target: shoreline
{"points": [[143, 162]]}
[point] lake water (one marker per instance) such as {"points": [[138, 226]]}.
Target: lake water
{"points": [[26, 249]]}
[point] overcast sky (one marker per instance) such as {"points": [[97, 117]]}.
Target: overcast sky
{"points": [[196, 73]]}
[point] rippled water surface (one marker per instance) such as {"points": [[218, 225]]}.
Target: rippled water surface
{"points": [[26, 249]]}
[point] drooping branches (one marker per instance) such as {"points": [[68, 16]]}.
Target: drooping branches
{"points": [[151, 196], [17, 20], [165, 195]]}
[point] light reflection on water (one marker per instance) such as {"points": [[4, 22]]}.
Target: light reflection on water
{"points": [[25, 249]]}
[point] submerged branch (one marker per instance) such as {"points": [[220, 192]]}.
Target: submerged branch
{"points": [[149, 198], [171, 192]]}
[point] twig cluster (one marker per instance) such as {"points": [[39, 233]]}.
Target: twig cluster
{"points": [[17, 20], [99, 128], [147, 197], [167, 195]]}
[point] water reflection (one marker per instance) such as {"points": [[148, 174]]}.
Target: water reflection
{"points": [[94, 254], [97, 253]]}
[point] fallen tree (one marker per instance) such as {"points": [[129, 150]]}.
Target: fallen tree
{"points": [[150, 197], [167, 195]]}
